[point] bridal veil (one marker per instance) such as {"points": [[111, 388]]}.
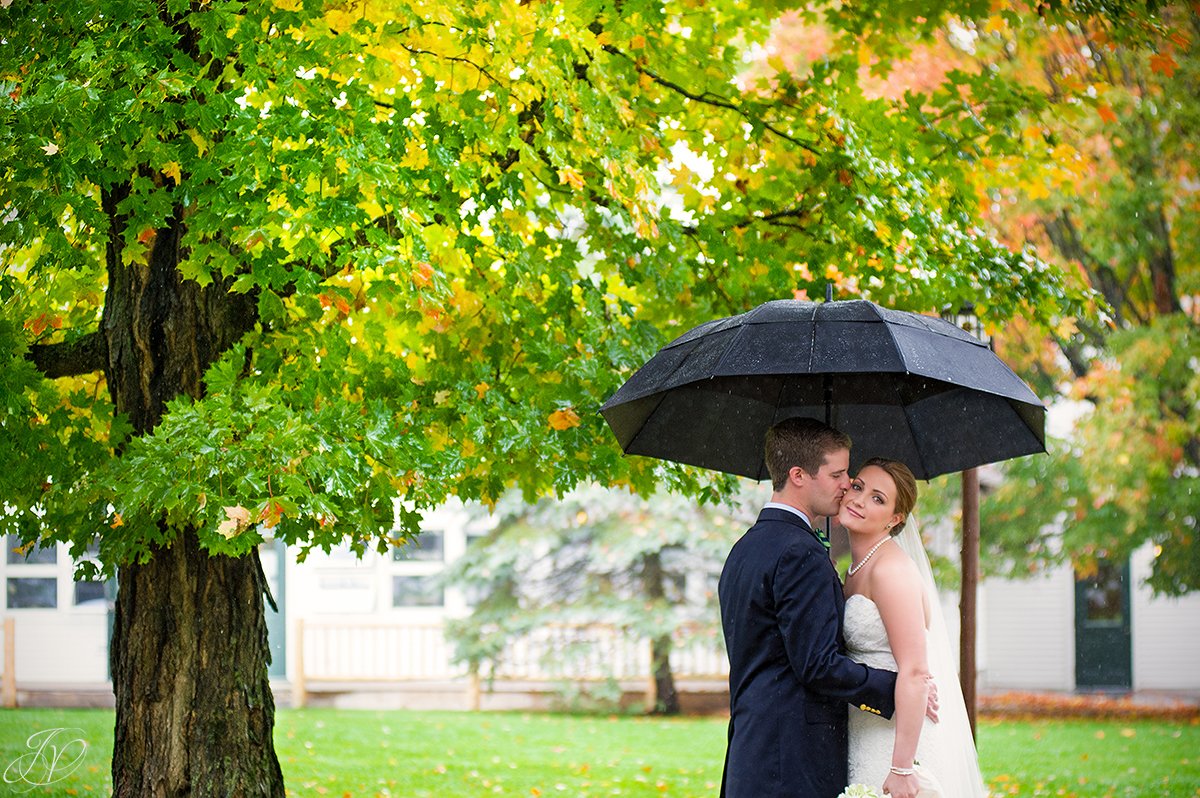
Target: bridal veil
{"points": [[962, 778]]}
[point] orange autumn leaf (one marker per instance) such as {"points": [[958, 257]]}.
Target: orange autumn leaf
{"points": [[1106, 113], [38, 325], [1164, 64], [422, 274], [147, 235], [271, 513], [571, 177], [564, 419]]}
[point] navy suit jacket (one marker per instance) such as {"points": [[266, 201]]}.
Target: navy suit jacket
{"points": [[789, 680]]}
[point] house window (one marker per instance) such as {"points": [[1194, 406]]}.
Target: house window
{"points": [[31, 575], [429, 546], [89, 593], [1105, 599], [418, 591], [40, 555], [25, 592]]}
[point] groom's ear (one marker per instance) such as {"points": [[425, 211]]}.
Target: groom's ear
{"points": [[796, 475]]}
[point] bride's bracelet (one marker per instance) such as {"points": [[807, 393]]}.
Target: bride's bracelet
{"points": [[903, 771]]}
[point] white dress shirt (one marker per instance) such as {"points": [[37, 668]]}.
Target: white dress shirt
{"points": [[789, 508]]}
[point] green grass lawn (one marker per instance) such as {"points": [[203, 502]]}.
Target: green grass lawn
{"points": [[458, 754]]}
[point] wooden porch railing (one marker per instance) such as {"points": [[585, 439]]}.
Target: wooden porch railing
{"points": [[334, 652]]}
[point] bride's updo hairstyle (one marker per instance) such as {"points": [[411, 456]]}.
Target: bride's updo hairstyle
{"points": [[906, 487]]}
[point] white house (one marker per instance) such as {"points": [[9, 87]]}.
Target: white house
{"points": [[353, 626], [1107, 632]]}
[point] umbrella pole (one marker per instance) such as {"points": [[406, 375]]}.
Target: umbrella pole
{"points": [[970, 582]]}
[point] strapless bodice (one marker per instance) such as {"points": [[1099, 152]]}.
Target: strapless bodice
{"points": [[865, 635]]}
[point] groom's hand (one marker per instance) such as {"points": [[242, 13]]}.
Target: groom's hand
{"points": [[931, 700]]}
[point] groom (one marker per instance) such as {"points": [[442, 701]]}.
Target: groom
{"points": [[781, 610]]}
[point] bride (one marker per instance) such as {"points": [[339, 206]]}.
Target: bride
{"points": [[892, 621]]}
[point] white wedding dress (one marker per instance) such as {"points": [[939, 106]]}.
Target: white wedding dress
{"points": [[946, 761]]}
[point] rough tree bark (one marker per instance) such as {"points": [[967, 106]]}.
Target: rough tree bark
{"points": [[189, 657]]}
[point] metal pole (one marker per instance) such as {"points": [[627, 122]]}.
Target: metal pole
{"points": [[970, 583]]}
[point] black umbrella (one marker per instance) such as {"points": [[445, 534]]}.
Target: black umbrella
{"points": [[903, 385]]}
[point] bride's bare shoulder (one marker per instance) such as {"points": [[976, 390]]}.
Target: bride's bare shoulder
{"points": [[895, 571]]}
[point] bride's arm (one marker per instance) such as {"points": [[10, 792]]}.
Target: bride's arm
{"points": [[896, 589]]}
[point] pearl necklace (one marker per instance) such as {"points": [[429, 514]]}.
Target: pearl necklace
{"points": [[856, 568]]}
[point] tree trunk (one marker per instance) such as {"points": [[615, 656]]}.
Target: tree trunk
{"points": [[195, 713], [189, 656], [666, 699]]}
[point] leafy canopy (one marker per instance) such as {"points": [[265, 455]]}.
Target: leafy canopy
{"points": [[462, 226]]}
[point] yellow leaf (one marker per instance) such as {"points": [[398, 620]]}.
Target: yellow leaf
{"points": [[1037, 189], [171, 169], [481, 389], [564, 419], [200, 142], [637, 43], [995, 24]]}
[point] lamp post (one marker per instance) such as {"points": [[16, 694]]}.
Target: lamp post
{"points": [[965, 318]]}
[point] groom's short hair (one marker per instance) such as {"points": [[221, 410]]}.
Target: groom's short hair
{"points": [[803, 442]]}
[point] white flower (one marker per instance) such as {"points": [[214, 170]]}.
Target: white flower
{"points": [[859, 791]]}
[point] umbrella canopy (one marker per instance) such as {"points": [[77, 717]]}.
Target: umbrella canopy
{"points": [[903, 385]]}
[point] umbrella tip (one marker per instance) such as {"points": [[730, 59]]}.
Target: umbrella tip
{"points": [[828, 292]]}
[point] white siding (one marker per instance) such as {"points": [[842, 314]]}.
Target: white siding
{"points": [[1166, 634], [1029, 640], [60, 648]]}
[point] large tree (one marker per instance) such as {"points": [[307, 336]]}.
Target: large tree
{"points": [[269, 266], [1107, 186]]}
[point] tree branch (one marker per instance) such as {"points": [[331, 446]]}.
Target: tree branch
{"points": [[70, 358], [708, 98]]}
